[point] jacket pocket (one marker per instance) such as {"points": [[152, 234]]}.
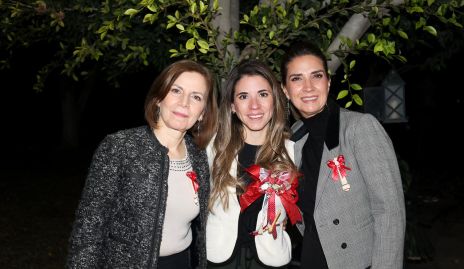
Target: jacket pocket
{"points": [[122, 246], [365, 222]]}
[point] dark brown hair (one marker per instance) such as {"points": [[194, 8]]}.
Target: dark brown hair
{"points": [[300, 48], [296, 49], [203, 130]]}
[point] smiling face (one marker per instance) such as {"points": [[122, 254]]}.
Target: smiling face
{"points": [[253, 104], [307, 84], [185, 102]]}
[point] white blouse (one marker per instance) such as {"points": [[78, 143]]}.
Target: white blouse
{"points": [[181, 208]]}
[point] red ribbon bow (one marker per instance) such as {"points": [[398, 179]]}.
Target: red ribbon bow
{"points": [[271, 185], [193, 176], [338, 167]]}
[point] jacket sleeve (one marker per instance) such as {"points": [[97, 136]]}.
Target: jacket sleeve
{"points": [[273, 252], [85, 244], [377, 160]]}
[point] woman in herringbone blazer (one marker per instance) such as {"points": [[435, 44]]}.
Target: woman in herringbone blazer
{"points": [[351, 193]]}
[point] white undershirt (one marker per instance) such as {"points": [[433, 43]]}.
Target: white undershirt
{"points": [[181, 209]]}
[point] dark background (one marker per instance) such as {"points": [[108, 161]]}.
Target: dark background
{"points": [[41, 181]]}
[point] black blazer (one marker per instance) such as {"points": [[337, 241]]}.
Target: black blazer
{"points": [[120, 216]]}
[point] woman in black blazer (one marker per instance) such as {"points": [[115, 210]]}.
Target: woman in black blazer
{"points": [[147, 185]]}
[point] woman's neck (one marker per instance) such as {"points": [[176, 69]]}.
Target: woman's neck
{"points": [[255, 138], [173, 141]]}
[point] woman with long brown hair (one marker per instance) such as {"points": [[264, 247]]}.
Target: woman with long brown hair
{"points": [[252, 141]]}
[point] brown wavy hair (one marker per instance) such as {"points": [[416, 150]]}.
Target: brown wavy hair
{"points": [[230, 136], [203, 130]]}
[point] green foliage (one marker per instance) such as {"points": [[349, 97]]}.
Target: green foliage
{"points": [[119, 37], [394, 32], [72, 33], [266, 28]]}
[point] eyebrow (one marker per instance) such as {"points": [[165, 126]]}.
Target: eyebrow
{"points": [[296, 74], [240, 93], [180, 87], [318, 71], [199, 93], [300, 74], [245, 92]]}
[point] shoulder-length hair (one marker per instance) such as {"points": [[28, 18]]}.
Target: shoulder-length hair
{"points": [[203, 130], [230, 135]]}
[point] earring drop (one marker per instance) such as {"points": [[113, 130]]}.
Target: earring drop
{"points": [[198, 127]]}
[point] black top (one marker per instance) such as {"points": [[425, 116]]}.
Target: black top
{"points": [[247, 219], [312, 255]]}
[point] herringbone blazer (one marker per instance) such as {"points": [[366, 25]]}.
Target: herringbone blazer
{"points": [[365, 226]]}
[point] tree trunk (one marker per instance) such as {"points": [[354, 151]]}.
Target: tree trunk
{"points": [[353, 29], [227, 21]]}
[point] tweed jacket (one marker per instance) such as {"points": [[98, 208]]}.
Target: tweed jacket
{"points": [[121, 213], [365, 226], [222, 227]]}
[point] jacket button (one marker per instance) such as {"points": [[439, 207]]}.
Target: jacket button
{"points": [[336, 221], [343, 245]]}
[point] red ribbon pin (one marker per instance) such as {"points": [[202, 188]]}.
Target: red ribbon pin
{"points": [[193, 176], [339, 171]]}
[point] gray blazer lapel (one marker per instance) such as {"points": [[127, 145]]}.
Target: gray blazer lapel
{"points": [[324, 174], [299, 150], [298, 147]]}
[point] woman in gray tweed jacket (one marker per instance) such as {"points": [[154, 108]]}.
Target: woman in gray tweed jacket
{"points": [[147, 185], [350, 194]]}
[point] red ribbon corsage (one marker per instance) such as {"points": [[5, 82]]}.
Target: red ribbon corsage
{"points": [[339, 171], [269, 184]]}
